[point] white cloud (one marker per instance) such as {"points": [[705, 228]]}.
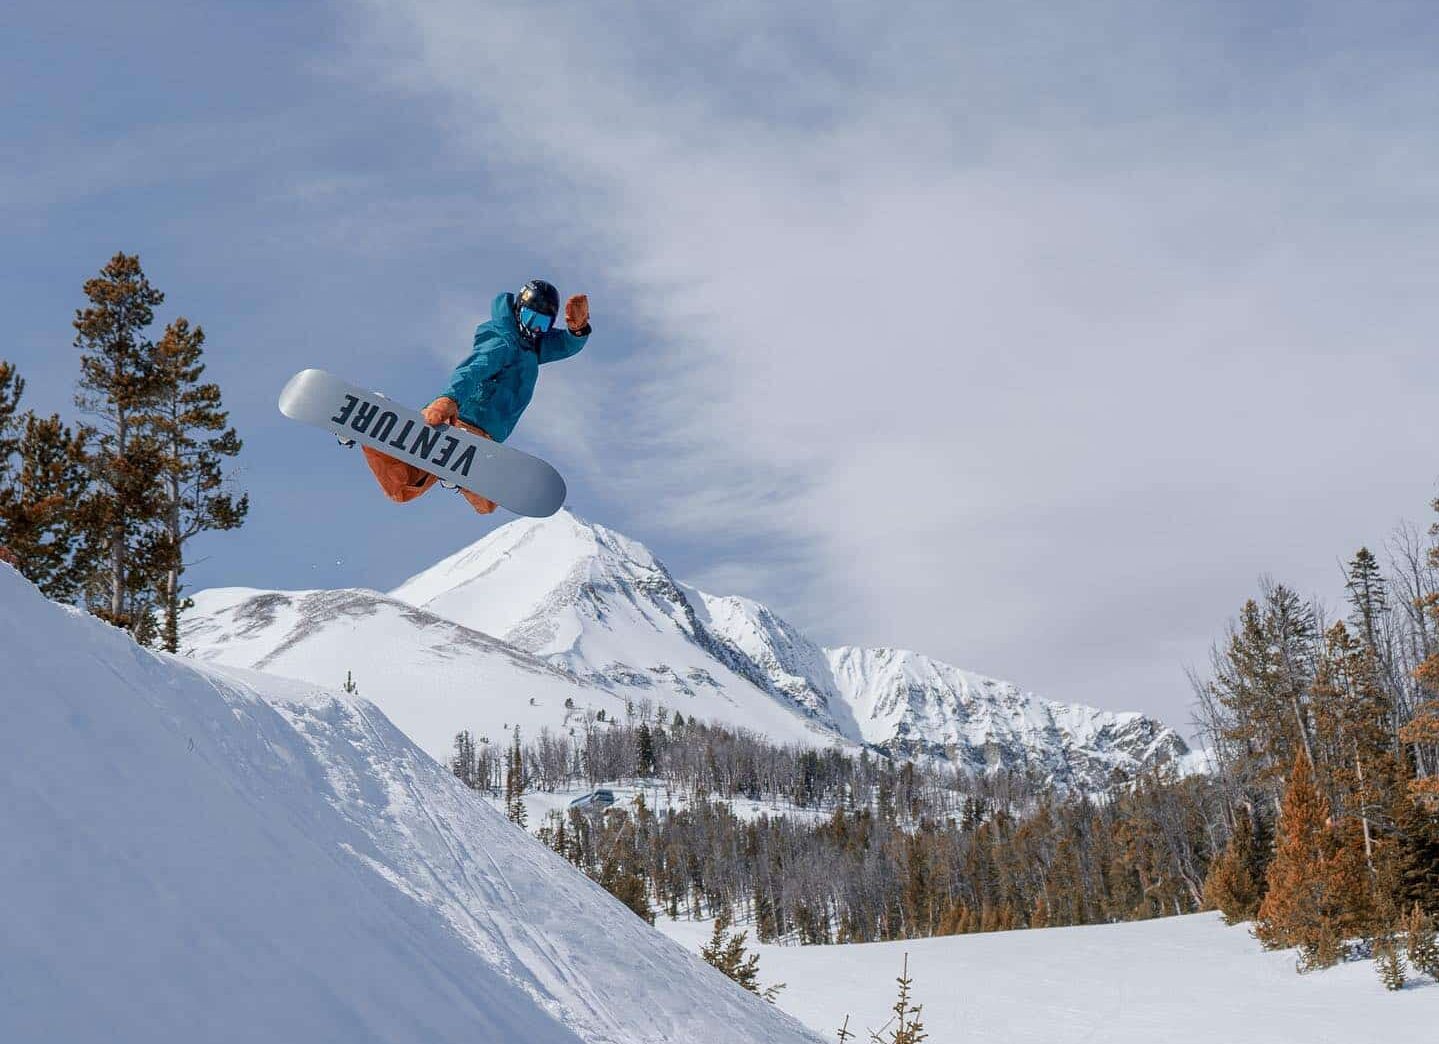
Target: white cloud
{"points": [[1039, 335]]}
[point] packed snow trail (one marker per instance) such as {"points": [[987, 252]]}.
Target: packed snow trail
{"points": [[192, 853]]}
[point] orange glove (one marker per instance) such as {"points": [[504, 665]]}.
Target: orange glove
{"points": [[577, 312], [442, 411]]}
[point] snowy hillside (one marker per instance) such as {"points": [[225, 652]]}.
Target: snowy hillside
{"points": [[612, 622], [202, 854], [432, 677], [1180, 980]]}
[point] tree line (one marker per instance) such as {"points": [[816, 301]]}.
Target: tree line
{"points": [[1325, 735], [872, 848], [1318, 821], [101, 510]]}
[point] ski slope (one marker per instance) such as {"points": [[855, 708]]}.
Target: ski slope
{"points": [[193, 853], [1179, 980]]}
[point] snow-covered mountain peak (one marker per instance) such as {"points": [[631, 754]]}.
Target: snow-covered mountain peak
{"points": [[536, 582], [913, 704], [601, 606], [602, 611]]}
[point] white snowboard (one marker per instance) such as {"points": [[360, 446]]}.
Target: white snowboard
{"points": [[524, 484]]}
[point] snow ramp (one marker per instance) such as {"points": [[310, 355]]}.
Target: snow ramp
{"points": [[199, 853]]}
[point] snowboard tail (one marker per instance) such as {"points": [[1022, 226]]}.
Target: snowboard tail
{"points": [[514, 479]]}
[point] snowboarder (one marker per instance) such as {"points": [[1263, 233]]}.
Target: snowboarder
{"points": [[491, 388]]}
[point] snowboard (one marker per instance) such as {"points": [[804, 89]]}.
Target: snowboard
{"points": [[524, 484]]}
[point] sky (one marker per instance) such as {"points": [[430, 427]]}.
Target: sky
{"points": [[1025, 335]]}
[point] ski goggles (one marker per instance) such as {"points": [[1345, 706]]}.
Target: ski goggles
{"points": [[535, 322]]}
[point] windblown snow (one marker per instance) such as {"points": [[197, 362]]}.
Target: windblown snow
{"points": [[203, 853], [542, 611]]}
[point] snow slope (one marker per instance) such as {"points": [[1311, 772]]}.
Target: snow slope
{"points": [[431, 676], [194, 853], [1180, 980]]}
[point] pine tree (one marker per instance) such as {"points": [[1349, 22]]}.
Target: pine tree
{"points": [[1416, 842], [42, 479], [726, 951], [1296, 907], [1352, 737], [1368, 597], [644, 751], [1235, 882], [1421, 733], [626, 886], [12, 388], [464, 763], [1421, 942], [515, 784], [350, 687], [1388, 963], [1261, 686], [118, 385], [190, 427], [904, 1025]]}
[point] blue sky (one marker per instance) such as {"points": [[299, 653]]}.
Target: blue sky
{"points": [[1027, 335]]}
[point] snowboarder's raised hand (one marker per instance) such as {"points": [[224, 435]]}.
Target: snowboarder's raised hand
{"points": [[577, 313], [441, 411]]}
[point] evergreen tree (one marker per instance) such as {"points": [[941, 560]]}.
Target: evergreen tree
{"points": [[1416, 842], [1352, 738], [627, 886], [42, 479], [1320, 891], [1420, 941], [644, 751], [904, 1025], [12, 388], [1368, 597], [464, 764], [726, 951], [1235, 882], [190, 428], [515, 784], [118, 386], [1297, 907], [1388, 963], [1421, 733], [1261, 687]]}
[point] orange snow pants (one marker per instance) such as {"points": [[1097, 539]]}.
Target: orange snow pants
{"points": [[403, 482]]}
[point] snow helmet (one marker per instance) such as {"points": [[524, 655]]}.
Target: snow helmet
{"points": [[537, 305]]}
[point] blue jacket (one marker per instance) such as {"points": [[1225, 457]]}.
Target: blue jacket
{"points": [[494, 384]]}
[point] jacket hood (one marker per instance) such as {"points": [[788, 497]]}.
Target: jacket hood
{"points": [[502, 311]]}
